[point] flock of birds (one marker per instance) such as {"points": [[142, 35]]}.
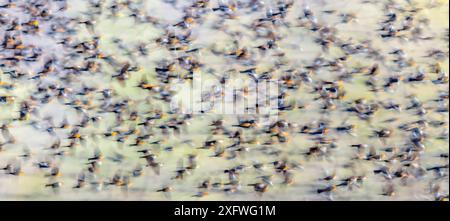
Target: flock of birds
{"points": [[356, 118]]}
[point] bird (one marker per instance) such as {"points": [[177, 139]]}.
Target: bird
{"points": [[328, 189], [389, 190], [166, 190], [260, 188], [224, 99], [81, 181], [151, 162]]}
